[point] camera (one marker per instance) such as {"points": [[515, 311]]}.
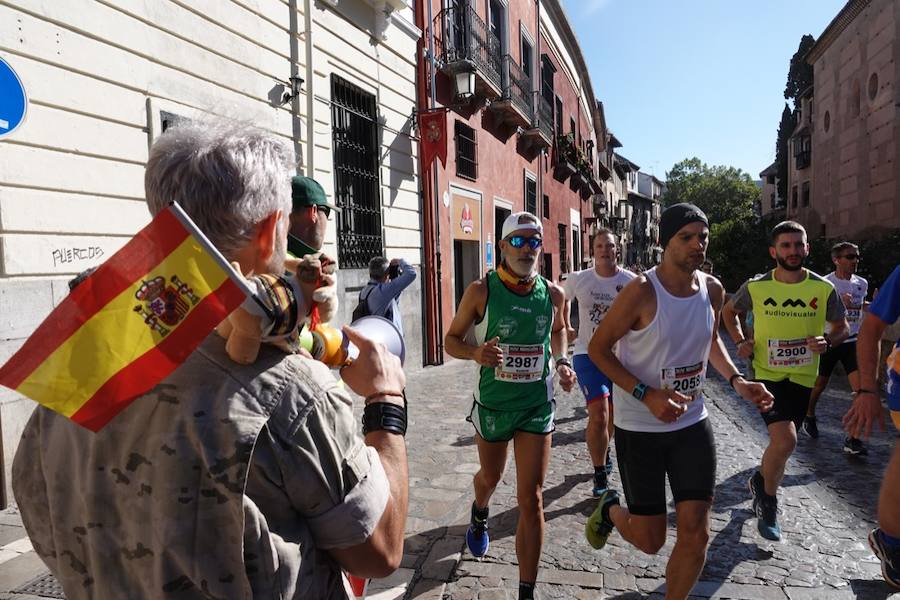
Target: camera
{"points": [[394, 271]]}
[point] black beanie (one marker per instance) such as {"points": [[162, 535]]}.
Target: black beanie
{"points": [[677, 216]]}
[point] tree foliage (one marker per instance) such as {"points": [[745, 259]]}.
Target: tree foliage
{"points": [[727, 195], [782, 155], [722, 192], [800, 73]]}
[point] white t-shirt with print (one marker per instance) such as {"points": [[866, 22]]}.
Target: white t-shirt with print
{"points": [[595, 294]]}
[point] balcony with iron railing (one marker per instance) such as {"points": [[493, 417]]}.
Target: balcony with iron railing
{"points": [[540, 134], [466, 45], [514, 105]]}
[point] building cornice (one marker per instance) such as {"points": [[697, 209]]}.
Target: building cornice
{"points": [[556, 12], [838, 24]]}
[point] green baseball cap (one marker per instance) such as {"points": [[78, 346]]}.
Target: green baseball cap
{"points": [[306, 191]]}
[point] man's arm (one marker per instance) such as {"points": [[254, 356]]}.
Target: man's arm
{"points": [[378, 376], [630, 310], [559, 344], [866, 408], [471, 308], [734, 315], [718, 356], [839, 330]]}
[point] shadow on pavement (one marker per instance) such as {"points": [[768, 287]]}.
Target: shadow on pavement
{"points": [[868, 589]]}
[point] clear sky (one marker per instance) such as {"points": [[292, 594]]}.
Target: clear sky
{"points": [[705, 78]]}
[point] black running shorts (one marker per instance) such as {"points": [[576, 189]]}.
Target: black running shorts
{"points": [[791, 402], [844, 353], [687, 456]]}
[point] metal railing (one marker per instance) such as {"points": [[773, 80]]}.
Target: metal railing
{"points": [[466, 38], [543, 115], [517, 86]]}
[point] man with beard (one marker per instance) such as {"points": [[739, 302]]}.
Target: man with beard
{"points": [[665, 323], [225, 480], [791, 307], [852, 290], [595, 289], [517, 316]]}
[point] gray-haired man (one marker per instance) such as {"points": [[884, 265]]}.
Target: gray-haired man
{"points": [[226, 480]]}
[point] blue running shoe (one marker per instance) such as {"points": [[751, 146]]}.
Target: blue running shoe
{"points": [[765, 508], [597, 529], [889, 557], [477, 538]]}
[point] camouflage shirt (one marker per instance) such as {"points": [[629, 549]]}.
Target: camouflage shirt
{"points": [[226, 481]]}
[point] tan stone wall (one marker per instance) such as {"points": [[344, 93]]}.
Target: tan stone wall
{"points": [[854, 160]]}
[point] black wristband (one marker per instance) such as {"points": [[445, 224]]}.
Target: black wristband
{"points": [[384, 416], [732, 378]]}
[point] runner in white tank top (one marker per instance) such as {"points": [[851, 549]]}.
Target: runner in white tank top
{"points": [[666, 324], [670, 353]]}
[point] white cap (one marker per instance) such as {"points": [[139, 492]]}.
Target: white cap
{"points": [[519, 221]]}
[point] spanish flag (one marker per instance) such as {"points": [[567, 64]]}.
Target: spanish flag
{"points": [[129, 324]]}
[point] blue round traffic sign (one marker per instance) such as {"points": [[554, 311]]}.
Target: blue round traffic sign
{"points": [[13, 101]]}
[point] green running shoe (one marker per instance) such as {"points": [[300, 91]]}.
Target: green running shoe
{"points": [[597, 529]]}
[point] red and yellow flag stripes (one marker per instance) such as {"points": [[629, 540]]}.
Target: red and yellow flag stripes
{"points": [[128, 325]]}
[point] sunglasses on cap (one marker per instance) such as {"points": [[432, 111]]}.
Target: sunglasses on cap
{"points": [[517, 241]]}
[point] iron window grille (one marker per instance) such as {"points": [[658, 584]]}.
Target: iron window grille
{"points": [[354, 130], [466, 143]]}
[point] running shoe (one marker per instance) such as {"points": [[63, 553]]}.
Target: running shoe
{"points": [[889, 557], [600, 483], [810, 428], [597, 529], [765, 508], [855, 447], [477, 538], [609, 463]]}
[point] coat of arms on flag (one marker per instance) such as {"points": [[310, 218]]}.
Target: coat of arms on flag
{"points": [[129, 324]]}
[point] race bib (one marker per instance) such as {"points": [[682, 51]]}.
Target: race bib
{"points": [[853, 315], [521, 363], [789, 353], [686, 380]]}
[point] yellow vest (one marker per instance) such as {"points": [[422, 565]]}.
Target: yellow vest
{"points": [[784, 315]]}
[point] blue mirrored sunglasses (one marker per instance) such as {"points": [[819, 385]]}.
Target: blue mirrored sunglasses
{"points": [[517, 241]]}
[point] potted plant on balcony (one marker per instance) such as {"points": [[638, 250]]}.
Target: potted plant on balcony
{"points": [[566, 158]]}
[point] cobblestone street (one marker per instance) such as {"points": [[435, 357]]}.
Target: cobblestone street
{"points": [[827, 508]]}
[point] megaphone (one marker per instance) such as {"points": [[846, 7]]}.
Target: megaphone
{"points": [[328, 344]]}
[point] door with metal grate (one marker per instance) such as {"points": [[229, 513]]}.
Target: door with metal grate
{"points": [[357, 189]]}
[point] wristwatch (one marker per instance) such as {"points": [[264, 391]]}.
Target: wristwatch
{"points": [[639, 391], [562, 361]]}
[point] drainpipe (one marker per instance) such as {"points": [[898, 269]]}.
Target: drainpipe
{"points": [[434, 326], [310, 100], [542, 157]]}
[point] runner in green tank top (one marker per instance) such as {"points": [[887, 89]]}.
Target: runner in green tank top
{"points": [[518, 319], [791, 306], [522, 326]]}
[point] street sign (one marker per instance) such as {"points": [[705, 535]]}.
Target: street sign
{"points": [[13, 101]]}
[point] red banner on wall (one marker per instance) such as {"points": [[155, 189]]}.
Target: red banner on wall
{"points": [[433, 128]]}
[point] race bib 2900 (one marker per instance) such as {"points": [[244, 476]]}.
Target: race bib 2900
{"points": [[789, 353]]}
